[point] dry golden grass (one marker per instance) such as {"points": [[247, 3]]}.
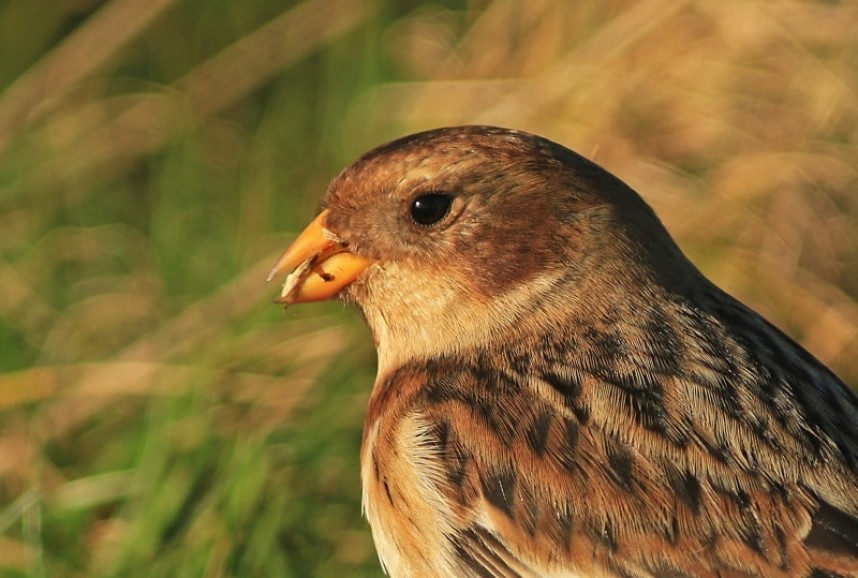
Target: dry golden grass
{"points": [[156, 404]]}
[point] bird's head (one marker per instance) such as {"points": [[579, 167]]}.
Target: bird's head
{"points": [[458, 236]]}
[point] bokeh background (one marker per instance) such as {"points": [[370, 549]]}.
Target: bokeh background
{"points": [[159, 416]]}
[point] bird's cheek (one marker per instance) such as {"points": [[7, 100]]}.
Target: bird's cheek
{"points": [[494, 271]]}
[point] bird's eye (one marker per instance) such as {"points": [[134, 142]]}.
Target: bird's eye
{"points": [[430, 208]]}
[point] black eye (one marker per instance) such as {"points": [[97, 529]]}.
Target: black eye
{"points": [[430, 208]]}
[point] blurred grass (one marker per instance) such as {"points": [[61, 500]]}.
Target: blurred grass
{"points": [[159, 416]]}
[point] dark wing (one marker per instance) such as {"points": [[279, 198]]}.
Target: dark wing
{"points": [[832, 540]]}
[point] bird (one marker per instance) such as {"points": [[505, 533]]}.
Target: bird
{"points": [[560, 392]]}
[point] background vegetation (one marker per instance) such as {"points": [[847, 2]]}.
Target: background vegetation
{"points": [[159, 416]]}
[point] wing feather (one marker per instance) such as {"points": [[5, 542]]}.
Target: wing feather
{"points": [[671, 450]]}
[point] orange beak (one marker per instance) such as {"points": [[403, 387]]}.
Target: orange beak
{"points": [[320, 265]]}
